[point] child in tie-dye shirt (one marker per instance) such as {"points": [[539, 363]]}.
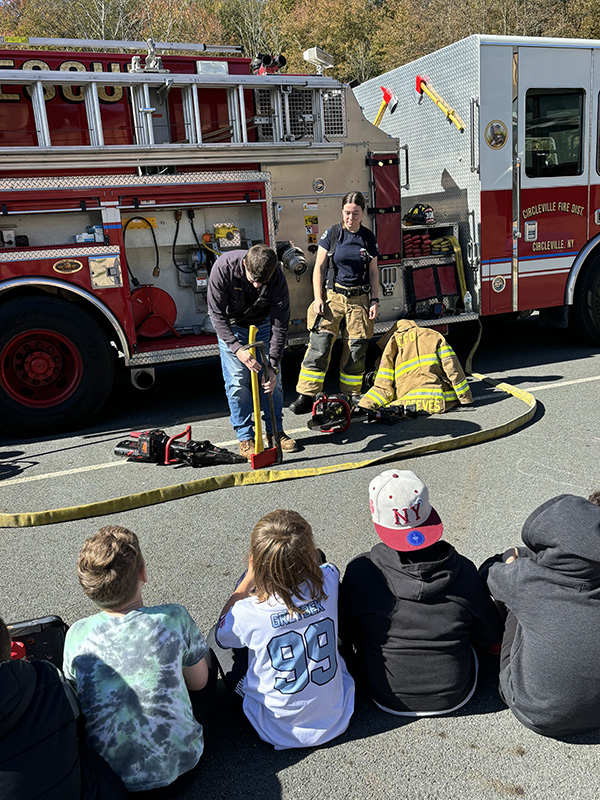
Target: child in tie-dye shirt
{"points": [[134, 667]]}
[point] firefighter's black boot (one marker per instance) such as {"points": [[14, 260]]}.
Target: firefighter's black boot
{"points": [[303, 404]]}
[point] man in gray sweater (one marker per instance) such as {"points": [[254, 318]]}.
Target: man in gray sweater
{"points": [[249, 288], [551, 645]]}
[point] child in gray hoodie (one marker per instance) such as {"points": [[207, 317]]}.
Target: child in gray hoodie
{"points": [[551, 645]]}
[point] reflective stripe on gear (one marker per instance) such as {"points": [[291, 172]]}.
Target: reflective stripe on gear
{"points": [[462, 387], [354, 381], [375, 398], [415, 363]]}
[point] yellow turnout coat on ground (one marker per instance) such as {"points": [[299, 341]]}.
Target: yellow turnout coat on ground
{"points": [[418, 367]]}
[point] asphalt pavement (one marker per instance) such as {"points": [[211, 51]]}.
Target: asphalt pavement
{"points": [[196, 548]]}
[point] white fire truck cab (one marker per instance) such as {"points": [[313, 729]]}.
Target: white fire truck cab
{"points": [[521, 179]]}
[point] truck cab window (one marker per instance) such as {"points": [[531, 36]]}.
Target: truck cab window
{"points": [[553, 132]]}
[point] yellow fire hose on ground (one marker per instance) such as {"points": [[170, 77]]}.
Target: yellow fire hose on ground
{"points": [[211, 484]]}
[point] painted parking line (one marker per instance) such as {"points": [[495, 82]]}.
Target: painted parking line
{"points": [[231, 442], [61, 473], [534, 389]]}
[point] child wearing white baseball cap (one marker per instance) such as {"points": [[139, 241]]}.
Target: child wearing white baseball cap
{"points": [[412, 607]]}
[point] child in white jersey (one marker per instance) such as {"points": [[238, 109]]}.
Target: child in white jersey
{"points": [[281, 622]]}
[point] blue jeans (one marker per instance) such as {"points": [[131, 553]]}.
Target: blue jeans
{"points": [[237, 386]]}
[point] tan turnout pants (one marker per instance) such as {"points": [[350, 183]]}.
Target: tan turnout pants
{"points": [[351, 315]]}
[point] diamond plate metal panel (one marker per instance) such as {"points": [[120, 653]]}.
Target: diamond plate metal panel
{"points": [[67, 252], [439, 155], [383, 327], [109, 181], [181, 354]]}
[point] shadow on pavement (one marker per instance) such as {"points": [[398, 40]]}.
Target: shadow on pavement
{"points": [[237, 764]]}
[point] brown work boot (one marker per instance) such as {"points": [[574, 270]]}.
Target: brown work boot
{"points": [[288, 445], [247, 449]]}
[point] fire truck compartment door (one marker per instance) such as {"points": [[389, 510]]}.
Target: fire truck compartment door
{"points": [[550, 191]]}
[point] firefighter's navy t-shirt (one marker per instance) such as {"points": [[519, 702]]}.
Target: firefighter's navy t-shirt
{"points": [[349, 258]]}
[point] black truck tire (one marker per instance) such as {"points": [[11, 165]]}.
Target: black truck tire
{"points": [[57, 366], [586, 303]]}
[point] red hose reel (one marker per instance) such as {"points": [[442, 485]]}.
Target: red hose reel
{"points": [[154, 311]]}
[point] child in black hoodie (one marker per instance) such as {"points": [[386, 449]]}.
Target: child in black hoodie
{"points": [[412, 606], [551, 645]]}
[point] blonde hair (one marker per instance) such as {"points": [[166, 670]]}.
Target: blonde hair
{"points": [[284, 558], [109, 566]]}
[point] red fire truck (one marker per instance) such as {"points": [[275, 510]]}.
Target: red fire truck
{"points": [[123, 177]]}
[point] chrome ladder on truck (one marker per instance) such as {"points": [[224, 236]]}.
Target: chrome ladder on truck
{"points": [[298, 117]]}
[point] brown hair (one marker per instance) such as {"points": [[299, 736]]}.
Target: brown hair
{"points": [[109, 566], [284, 557], [261, 263], [595, 497], [5, 642], [354, 197]]}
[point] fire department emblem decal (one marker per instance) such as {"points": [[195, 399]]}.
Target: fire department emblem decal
{"points": [[499, 283], [67, 266], [496, 134]]}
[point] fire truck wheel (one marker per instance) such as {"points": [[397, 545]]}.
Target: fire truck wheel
{"points": [[586, 306], [56, 365]]}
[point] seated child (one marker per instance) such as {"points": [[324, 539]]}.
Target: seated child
{"points": [[133, 667], [39, 747], [550, 650], [282, 620], [411, 608]]}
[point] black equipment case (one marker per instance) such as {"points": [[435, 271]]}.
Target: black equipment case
{"points": [[44, 638]]}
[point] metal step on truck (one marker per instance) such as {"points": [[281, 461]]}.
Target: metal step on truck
{"points": [[126, 168], [502, 139]]}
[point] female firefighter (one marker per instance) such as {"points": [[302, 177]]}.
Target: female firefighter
{"points": [[346, 267]]}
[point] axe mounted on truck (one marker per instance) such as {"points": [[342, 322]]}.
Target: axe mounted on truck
{"points": [[423, 86], [389, 101]]}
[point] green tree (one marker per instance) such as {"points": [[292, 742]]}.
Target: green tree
{"points": [[128, 20]]}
